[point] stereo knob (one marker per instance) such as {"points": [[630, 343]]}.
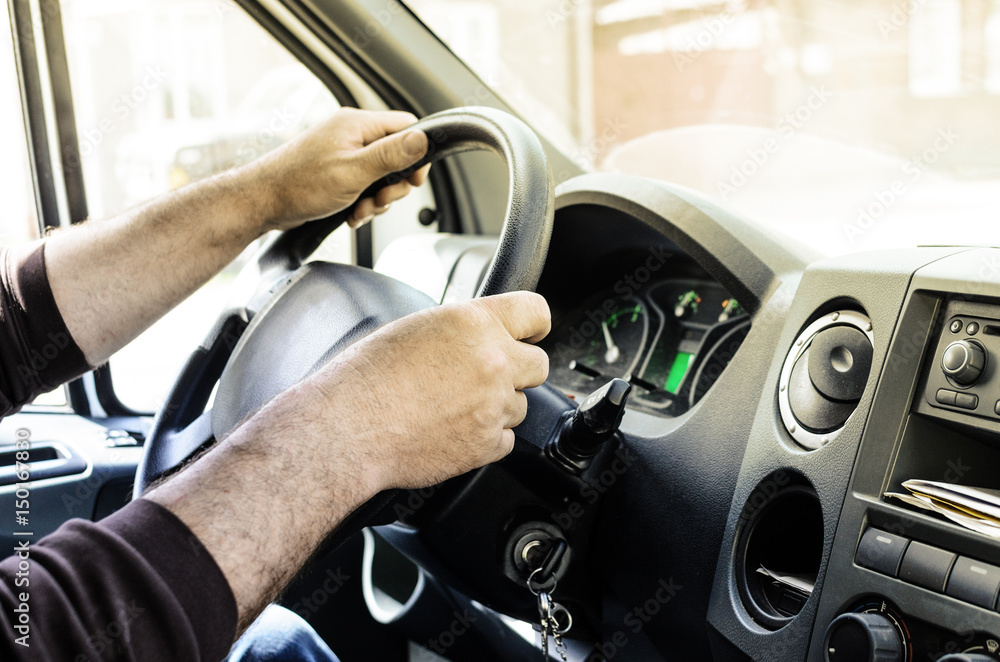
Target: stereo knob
{"points": [[863, 637], [964, 361]]}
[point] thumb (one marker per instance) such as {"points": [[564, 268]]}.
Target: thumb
{"points": [[393, 153]]}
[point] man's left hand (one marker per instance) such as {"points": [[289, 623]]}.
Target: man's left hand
{"points": [[325, 169]]}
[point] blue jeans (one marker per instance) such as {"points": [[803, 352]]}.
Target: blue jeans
{"points": [[280, 635]]}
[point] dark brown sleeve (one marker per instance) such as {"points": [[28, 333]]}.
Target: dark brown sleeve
{"points": [[136, 586], [37, 352]]}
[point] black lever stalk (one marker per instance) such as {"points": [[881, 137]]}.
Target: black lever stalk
{"points": [[595, 422]]}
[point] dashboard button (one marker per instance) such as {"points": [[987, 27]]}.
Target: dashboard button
{"points": [[996, 408], [926, 566], [881, 551], [946, 397], [972, 329], [956, 326], [974, 582], [966, 400]]}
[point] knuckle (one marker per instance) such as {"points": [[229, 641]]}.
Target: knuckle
{"points": [[493, 361], [459, 316]]}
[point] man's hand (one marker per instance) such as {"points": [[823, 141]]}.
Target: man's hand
{"points": [[423, 399], [435, 394], [325, 170]]}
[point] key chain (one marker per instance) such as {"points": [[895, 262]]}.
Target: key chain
{"points": [[549, 613]]}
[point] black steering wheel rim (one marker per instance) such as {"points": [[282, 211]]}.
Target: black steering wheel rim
{"points": [[183, 427]]}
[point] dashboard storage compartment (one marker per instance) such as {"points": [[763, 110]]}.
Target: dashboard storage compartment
{"points": [[779, 549]]}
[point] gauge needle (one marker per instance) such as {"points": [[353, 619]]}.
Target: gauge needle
{"points": [[612, 354]]}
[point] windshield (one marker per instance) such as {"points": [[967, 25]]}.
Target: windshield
{"points": [[847, 125]]}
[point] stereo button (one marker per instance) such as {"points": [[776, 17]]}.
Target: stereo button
{"points": [[926, 566], [881, 551], [946, 397], [966, 400], [974, 582]]}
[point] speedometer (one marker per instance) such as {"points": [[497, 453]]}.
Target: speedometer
{"points": [[618, 346], [602, 341]]}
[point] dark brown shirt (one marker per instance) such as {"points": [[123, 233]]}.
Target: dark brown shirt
{"points": [[136, 586]]}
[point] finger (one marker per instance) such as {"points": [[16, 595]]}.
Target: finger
{"points": [[419, 177], [506, 444], [355, 224], [390, 194], [391, 154], [378, 124], [516, 410], [531, 365], [364, 211], [525, 315]]}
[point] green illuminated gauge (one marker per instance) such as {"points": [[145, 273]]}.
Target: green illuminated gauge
{"points": [[679, 368], [616, 342], [687, 304]]}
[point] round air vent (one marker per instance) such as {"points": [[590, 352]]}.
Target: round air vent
{"points": [[824, 375]]}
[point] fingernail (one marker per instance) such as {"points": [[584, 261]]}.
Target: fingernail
{"points": [[415, 143]]}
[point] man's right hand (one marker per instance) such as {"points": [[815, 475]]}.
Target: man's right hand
{"points": [[435, 394], [422, 399]]}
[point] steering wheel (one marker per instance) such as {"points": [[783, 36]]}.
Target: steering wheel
{"points": [[312, 311]]}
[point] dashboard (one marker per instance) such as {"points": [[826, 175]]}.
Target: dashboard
{"points": [[777, 397], [670, 338], [740, 511]]}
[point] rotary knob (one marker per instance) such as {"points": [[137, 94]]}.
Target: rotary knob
{"points": [[964, 362], [863, 637]]}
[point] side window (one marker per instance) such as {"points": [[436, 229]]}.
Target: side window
{"points": [[166, 93]]}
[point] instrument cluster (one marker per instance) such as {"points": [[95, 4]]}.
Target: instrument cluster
{"points": [[671, 339]]}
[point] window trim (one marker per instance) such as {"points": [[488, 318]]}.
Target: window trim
{"points": [[33, 111]]}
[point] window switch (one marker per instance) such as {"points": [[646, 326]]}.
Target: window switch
{"points": [[881, 551], [926, 566], [974, 582]]}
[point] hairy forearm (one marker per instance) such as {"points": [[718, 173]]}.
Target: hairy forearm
{"points": [[265, 497], [112, 279]]}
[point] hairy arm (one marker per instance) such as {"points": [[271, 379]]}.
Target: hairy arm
{"points": [[423, 399], [112, 279]]}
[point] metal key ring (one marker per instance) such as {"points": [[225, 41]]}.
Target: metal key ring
{"points": [[541, 588], [544, 605], [557, 609]]}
